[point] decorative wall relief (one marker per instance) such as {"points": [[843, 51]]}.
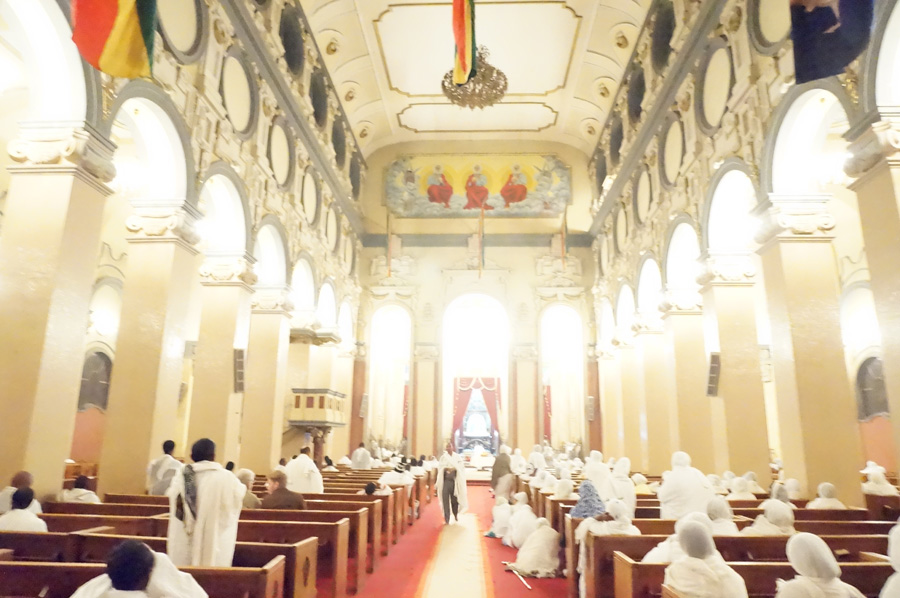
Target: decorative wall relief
{"points": [[460, 186]]}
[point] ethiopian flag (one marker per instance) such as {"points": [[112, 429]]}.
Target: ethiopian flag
{"points": [[464, 36], [115, 36]]}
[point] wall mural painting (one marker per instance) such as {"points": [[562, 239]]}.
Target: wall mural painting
{"points": [[515, 185]]}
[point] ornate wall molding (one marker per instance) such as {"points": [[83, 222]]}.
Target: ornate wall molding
{"points": [[879, 142], [785, 216], [728, 269], [268, 300], [164, 223], [228, 271], [64, 144]]}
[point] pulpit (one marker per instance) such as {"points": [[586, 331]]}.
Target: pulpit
{"points": [[316, 411]]}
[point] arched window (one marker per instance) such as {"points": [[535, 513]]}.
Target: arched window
{"points": [[390, 337], [562, 372], [95, 381], [871, 393]]}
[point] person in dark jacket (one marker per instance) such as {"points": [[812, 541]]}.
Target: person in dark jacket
{"points": [[279, 496]]}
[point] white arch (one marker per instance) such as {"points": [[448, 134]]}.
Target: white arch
{"points": [[326, 308], [562, 370], [809, 150], [390, 339], [649, 290], [105, 311], [682, 266], [345, 326], [731, 226], [271, 260], [625, 309], [607, 323], [887, 78], [223, 228]]}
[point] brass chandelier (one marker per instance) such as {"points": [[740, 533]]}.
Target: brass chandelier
{"points": [[486, 88]]}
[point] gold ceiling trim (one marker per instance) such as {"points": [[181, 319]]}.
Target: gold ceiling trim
{"points": [[454, 131], [562, 3]]}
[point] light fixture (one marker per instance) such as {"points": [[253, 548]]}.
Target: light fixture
{"points": [[485, 88]]}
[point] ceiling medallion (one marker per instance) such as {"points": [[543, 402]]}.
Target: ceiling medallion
{"points": [[486, 88]]}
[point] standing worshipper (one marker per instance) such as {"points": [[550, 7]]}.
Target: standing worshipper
{"points": [[204, 505], [818, 572], [79, 493], [598, 473], [19, 518], [684, 490], [361, 458], [302, 474], [701, 572], [162, 469], [621, 484], [451, 484], [501, 474], [22, 479]]}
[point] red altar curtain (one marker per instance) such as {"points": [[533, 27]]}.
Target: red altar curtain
{"points": [[548, 413], [460, 404], [405, 432], [462, 394]]}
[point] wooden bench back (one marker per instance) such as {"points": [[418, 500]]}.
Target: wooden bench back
{"points": [[131, 526], [122, 510]]}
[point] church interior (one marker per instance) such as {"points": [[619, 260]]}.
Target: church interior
{"points": [[634, 231]]}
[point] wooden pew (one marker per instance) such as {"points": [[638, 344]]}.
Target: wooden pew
{"points": [[300, 557], [640, 580], [122, 510], [799, 514], [60, 580], [39, 546], [374, 519], [553, 511], [882, 508], [826, 528], [388, 511], [135, 499], [126, 526]]}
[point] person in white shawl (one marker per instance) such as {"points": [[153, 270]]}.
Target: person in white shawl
{"points": [[361, 458], [520, 499], [740, 491], [303, 475], [345, 460], [793, 488], [539, 555], [565, 489], [79, 493], [204, 505], [872, 466], [722, 517], [621, 484], [669, 550], [451, 484], [161, 470], [536, 459], [878, 485], [753, 484], [500, 514], [684, 490], [521, 524], [891, 587], [132, 569], [641, 486], [701, 572], [779, 492], [818, 572], [827, 498], [777, 520], [540, 479], [615, 522], [517, 463]]}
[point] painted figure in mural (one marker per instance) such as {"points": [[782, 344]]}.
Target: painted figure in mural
{"points": [[476, 190], [439, 190], [514, 190]]}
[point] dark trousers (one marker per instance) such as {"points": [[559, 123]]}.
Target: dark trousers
{"points": [[448, 500]]}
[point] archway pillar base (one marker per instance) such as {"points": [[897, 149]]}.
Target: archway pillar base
{"points": [[634, 413], [659, 395]]}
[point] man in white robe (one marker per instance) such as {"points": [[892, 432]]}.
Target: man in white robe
{"points": [[361, 458], [132, 570], [19, 518], [303, 475], [79, 493], [22, 479], [205, 502], [684, 490], [162, 470], [451, 484]]}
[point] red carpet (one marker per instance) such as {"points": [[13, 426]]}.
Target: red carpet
{"points": [[505, 583]]}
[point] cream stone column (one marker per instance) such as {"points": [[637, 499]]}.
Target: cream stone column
{"points": [[48, 256], [424, 399], [659, 393], [728, 300], [611, 402], [357, 421], [875, 163], [686, 361], [529, 408], [634, 415], [816, 408], [224, 329], [265, 379], [146, 384]]}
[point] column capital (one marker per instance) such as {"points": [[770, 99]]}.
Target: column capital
{"points": [[681, 301], [62, 145], [794, 217], [426, 352], [174, 222], [645, 323], [879, 141], [727, 269], [272, 300], [228, 271], [525, 352], [605, 351]]}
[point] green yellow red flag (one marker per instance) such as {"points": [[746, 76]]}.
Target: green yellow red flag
{"points": [[115, 36], [464, 36]]}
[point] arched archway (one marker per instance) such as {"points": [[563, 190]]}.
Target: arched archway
{"points": [[562, 374], [270, 252], [682, 264], [730, 226], [326, 307], [303, 293], [625, 311], [649, 290], [390, 342], [223, 229]]}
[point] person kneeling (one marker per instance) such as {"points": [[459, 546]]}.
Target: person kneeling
{"points": [[701, 572], [539, 555]]}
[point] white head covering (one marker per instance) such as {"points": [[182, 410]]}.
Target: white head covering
{"points": [[701, 572], [778, 513], [639, 479], [564, 489], [872, 467], [598, 473], [740, 490], [818, 573], [718, 508], [827, 490], [505, 449], [696, 540], [680, 459], [520, 499], [622, 468], [878, 485], [793, 488], [518, 452], [684, 489]]}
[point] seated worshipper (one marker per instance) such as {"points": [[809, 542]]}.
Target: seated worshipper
{"points": [[739, 490], [565, 489], [589, 503], [876, 485], [162, 469], [502, 478], [777, 520], [79, 492], [621, 484], [229, 466], [685, 490], [329, 465], [372, 489], [22, 479], [827, 498], [246, 477], [204, 506], [417, 468], [397, 477], [279, 496], [302, 474], [539, 555], [793, 488], [361, 458], [616, 522], [779, 492], [669, 550], [722, 517], [500, 514], [872, 466], [536, 460], [752, 484], [517, 463], [891, 587], [19, 518], [281, 465], [133, 570], [345, 460], [521, 524], [818, 572], [539, 479], [641, 487], [716, 483], [701, 572]]}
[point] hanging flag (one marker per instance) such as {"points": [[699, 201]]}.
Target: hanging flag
{"points": [[116, 36], [828, 38], [464, 36]]}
